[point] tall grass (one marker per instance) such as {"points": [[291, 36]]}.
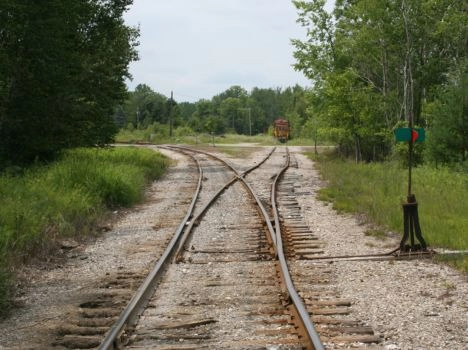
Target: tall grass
{"points": [[67, 198], [379, 189], [185, 135]]}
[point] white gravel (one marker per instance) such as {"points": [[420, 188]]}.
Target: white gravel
{"points": [[414, 304]]}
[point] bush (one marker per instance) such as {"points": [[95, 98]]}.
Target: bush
{"points": [[67, 198], [379, 189]]}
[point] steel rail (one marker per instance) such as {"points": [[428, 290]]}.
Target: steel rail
{"points": [[113, 338], [182, 244], [252, 168], [239, 176], [141, 297], [300, 309], [275, 233]]}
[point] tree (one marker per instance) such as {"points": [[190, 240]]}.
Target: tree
{"points": [[234, 91], [449, 119], [203, 110], [144, 107], [267, 101], [63, 68], [293, 106], [215, 125], [379, 61], [186, 110], [316, 56], [229, 111]]}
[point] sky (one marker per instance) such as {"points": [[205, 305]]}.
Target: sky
{"points": [[199, 48]]}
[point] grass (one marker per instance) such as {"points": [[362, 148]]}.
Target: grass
{"points": [[377, 190], [191, 138], [66, 199], [237, 152], [376, 233]]}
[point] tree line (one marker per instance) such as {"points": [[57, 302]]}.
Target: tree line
{"points": [[234, 110], [376, 63], [63, 65], [373, 64]]}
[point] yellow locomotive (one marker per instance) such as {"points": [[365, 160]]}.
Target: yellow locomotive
{"points": [[281, 129]]}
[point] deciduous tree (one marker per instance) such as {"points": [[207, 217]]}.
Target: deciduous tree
{"points": [[63, 65]]}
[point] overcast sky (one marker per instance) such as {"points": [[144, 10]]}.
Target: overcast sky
{"points": [[200, 48]]}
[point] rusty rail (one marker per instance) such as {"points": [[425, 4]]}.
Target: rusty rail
{"points": [[138, 302], [299, 308], [300, 311], [116, 335]]}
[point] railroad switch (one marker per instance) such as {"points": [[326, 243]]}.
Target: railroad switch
{"points": [[411, 227]]}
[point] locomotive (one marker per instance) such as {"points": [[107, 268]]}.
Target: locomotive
{"points": [[281, 129]]}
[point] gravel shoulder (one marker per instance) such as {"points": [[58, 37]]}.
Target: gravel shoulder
{"points": [[414, 304], [49, 292]]}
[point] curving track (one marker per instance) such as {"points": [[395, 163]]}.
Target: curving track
{"points": [[242, 261], [238, 273]]}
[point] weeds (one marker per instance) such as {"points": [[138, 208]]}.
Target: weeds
{"points": [[459, 261], [378, 190], [376, 233], [67, 198]]}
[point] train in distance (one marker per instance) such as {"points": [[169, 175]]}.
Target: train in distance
{"points": [[281, 130]]}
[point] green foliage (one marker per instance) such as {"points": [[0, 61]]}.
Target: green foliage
{"points": [[143, 107], [315, 56], [67, 198], [235, 91], [232, 111], [448, 116], [63, 70], [378, 190], [155, 133], [400, 154], [375, 63], [458, 261], [115, 176], [229, 111], [183, 131]]}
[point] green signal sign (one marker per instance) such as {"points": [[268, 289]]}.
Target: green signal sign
{"points": [[410, 134]]}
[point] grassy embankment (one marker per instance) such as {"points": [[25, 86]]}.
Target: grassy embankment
{"points": [[135, 136], [66, 199], [377, 190]]}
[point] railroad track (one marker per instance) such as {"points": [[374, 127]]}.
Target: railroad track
{"points": [[234, 276], [314, 279]]}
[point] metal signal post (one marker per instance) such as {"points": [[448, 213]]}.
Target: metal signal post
{"points": [[410, 208], [411, 227]]}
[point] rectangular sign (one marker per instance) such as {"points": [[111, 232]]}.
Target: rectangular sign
{"points": [[408, 134]]}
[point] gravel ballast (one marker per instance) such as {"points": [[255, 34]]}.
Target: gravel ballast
{"points": [[415, 304]]}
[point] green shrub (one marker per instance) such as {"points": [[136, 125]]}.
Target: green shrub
{"points": [[379, 189], [67, 198]]}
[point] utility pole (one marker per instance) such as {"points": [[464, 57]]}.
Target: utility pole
{"points": [[248, 109], [138, 118], [170, 115], [250, 123]]}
